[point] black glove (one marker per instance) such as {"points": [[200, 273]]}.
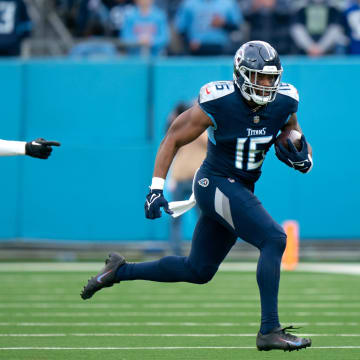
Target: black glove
{"points": [[299, 160], [40, 148], [154, 201]]}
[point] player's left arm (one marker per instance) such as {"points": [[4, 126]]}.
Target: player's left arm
{"points": [[293, 124], [300, 160]]}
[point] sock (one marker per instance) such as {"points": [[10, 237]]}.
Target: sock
{"points": [[167, 269], [268, 278]]}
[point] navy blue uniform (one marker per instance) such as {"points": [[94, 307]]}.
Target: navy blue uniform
{"points": [[240, 136], [223, 186]]}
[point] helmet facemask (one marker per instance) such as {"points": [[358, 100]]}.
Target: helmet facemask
{"points": [[247, 81]]}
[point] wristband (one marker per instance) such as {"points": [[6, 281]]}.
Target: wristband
{"points": [[157, 183]]}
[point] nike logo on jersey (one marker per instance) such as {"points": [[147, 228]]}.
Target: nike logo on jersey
{"points": [[207, 91], [102, 275]]}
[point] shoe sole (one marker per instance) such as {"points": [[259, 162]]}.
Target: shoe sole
{"points": [[268, 348]]}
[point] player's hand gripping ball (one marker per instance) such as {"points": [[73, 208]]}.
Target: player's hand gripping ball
{"points": [[292, 149]]}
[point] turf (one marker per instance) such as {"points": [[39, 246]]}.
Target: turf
{"points": [[145, 320]]}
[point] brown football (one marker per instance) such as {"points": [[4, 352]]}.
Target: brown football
{"points": [[293, 135]]}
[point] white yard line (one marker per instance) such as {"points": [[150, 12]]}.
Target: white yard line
{"points": [[219, 305], [163, 348], [187, 298], [162, 335], [33, 335], [202, 297], [174, 314], [345, 268], [219, 324]]}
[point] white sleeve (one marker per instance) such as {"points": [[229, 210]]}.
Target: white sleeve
{"points": [[12, 148]]}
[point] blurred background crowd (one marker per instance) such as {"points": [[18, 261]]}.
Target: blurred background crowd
{"points": [[177, 27]]}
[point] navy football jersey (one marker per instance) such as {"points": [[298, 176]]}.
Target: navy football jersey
{"points": [[241, 136]]}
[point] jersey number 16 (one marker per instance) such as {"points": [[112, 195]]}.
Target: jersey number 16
{"points": [[250, 152]]}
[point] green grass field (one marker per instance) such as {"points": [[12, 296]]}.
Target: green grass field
{"points": [[43, 317]]}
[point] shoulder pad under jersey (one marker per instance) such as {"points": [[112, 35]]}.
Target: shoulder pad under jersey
{"points": [[215, 90], [289, 90]]}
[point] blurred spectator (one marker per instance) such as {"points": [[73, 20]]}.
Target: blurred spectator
{"points": [[352, 26], [15, 25], [206, 24], [68, 10], [169, 6], [145, 26], [188, 159], [109, 12], [94, 46], [269, 21], [316, 28], [116, 15]]}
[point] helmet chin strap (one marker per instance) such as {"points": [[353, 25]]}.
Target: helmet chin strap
{"points": [[253, 97], [259, 99]]}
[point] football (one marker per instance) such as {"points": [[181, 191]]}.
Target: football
{"points": [[293, 135]]}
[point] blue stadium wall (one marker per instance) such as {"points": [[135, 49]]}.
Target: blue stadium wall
{"points": [[110, 118]]}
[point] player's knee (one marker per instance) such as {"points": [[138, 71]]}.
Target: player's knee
{"points": [[276, 239], [280, 243], [204, 274]]}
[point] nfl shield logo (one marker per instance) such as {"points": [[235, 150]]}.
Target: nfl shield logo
{"points": [[256, 119]]}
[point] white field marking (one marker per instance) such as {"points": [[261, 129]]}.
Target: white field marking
{"points": [[175, 314], [348, 268], [164, 348], [72, 324], [69, 305], [219, 324], [221, 305], [234, 297], [135, 314], [203, 335], [162, 335], [32, 335]]}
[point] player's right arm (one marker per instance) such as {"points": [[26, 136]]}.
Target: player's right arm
{"points": [[185, 128]]}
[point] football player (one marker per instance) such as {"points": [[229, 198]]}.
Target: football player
{"points": [[243, 118], [39, 148]]}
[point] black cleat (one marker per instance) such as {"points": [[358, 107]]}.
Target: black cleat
{"points": [[105, 278], [279, 339]]}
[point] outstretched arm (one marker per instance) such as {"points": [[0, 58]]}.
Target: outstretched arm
{"points": [[39, 148]]}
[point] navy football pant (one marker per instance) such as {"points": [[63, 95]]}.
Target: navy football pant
{"points": [[229, 210]]}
